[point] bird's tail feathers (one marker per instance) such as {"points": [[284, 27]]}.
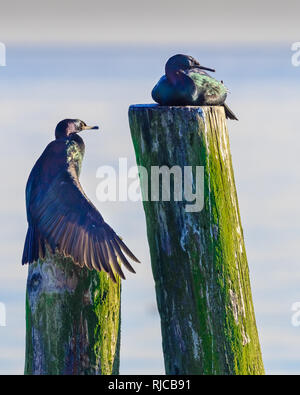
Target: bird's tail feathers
{"points": [[229, 114], [34, 247]]}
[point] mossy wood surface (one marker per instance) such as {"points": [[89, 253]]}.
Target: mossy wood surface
{"points": [[198, 259], [72, 319]]}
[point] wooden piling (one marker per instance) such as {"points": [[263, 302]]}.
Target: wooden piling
{"points": [[72, 320], [198, 258]]}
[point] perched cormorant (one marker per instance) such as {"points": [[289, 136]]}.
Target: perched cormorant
{"points": [[186, 83], [61, 217]]}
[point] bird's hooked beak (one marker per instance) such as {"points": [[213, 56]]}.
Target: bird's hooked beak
{"points": [[89, 127], [204, 68]]}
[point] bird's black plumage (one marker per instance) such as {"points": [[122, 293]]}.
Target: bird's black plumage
{"points": [[61, 217]]}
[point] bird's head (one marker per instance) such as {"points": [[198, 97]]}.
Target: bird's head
{"points": [[184, 63], [68, 127]]}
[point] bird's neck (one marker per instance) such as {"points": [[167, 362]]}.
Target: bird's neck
{"points": [[181, 81], [75, 137], [75, 152]]}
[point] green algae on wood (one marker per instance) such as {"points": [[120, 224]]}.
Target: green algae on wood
{"points": [[198, 259], [72, 320]]}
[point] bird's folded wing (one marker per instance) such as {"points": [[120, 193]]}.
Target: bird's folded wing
{"points": [[72, 225], [211, 86]]}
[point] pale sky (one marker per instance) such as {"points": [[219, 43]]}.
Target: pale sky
{"points": [[39, 87], [140, 21]]}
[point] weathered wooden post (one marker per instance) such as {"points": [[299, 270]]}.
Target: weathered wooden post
{"points": [[72, 319], [198, 259]]}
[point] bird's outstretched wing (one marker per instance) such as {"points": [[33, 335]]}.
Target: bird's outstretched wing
{"points": [[61, 215]]}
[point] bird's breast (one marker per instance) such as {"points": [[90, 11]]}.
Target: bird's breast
{"points": [[75, 153]]}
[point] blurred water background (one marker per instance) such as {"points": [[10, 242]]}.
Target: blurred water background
{"points": [[42, 85]]}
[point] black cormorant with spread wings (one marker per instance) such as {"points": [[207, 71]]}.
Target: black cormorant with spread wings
{"points": [[60, 216]]}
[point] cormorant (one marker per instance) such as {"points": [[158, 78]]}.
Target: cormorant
{"points": [[61, 217], [186, 83]]}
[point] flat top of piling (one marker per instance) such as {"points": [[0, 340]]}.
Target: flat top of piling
{"points": [[158, 106]]}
